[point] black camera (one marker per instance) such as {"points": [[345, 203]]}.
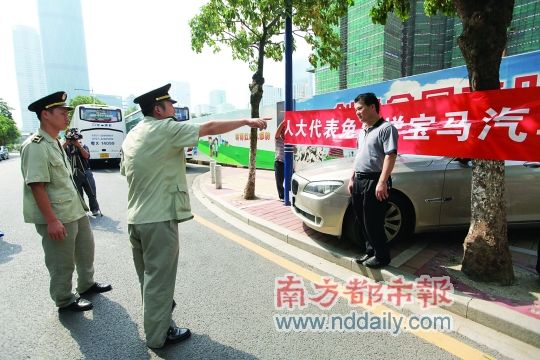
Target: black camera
{"points": [[73, 134]]}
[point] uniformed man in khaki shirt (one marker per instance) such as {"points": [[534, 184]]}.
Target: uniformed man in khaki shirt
{"points": [[153, 161], [52, 203]]}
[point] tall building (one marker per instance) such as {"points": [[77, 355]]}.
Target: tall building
{"points": [[181, 92], [271, 95], [204, 109], [372, 52], [63, 46], [217, 97], [428, 41], [302, 89], [375, 53], [224, 108], [523, 33], [30, 73]]}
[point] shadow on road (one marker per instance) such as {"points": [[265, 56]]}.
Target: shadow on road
{"points": [[201, 347], [7, 250], [109, 333], [196, 169], [105, 223], [104, 167]]}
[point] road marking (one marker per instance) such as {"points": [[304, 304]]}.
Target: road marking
{"points": [[441, 340]]}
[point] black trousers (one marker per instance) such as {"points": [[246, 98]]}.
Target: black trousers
{"points": [[88, 184], [370, 213], [279, 172]]}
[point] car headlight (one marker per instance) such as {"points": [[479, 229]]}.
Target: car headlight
{"points": [[322, 188]]}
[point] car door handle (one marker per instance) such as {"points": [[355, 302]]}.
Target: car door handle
{"points": [[438, 200], [533, 165]]}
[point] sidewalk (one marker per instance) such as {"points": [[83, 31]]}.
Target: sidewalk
{"points": [[513, 310]]}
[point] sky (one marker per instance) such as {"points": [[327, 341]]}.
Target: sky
{"points": [[133, 46]]}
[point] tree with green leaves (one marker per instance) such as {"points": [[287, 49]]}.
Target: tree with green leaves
{"points": [[131, 109], [253, 30], [5, 110], [483, 40], [9, 133], [83, 100]]}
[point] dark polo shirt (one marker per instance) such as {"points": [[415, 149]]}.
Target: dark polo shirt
{"points": [[374, 144]]}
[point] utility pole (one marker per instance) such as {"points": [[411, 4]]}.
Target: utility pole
{"points": [[288, 149]]}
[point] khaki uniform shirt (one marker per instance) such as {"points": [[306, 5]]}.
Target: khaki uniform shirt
{"points": [[154, 163], [43, 160]]}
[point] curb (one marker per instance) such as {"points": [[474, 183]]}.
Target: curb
{"points": [[496, 317], [207, 163], [198, 162]]}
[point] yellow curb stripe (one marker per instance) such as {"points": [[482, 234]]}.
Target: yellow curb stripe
{"points": [[438, 339]]}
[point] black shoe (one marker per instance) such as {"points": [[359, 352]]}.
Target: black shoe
{"points": [[375, 263], [176, 334], [97, 288], [78, 305], [363, 258]]}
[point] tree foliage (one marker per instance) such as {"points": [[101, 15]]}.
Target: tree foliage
{"points": [[9, 133], [251, 28], [253, 31], [131, 109], [5, 110], [83, 100], [402, 9], [482, 43]]}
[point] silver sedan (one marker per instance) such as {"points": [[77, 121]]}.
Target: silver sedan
{"points": [[429, 193]]}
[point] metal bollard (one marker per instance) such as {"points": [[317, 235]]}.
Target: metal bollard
{"points": [[218, 176], [213, 171]]}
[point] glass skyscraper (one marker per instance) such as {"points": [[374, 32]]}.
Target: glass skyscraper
{"points": [[30, 74], [374, 53], [63, 46], [523, 33], [427, 41]]}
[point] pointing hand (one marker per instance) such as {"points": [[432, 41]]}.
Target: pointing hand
{"points": [[259, 123]]}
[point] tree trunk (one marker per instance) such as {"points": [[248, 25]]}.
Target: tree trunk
{"points": [[256, 89], [486, 254]]}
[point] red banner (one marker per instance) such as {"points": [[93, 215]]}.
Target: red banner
{"points": [[497, 124], [333, 128]]}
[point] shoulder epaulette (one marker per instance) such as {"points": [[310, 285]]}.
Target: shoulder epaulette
{"points": [[37, 138]]}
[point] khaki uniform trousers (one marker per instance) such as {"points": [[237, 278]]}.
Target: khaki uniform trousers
{"points": [[155, 255], [62, 257]]}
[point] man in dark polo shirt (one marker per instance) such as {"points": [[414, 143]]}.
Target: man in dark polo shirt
{"points": [[370, 182]]}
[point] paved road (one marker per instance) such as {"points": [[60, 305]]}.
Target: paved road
{"points": [[225, 294]]}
